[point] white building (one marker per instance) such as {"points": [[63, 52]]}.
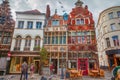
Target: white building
{"points": [[27, 39], [108, 38]]}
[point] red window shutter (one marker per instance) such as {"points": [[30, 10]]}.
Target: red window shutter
{"points": [[73, 22], [86, 21]]}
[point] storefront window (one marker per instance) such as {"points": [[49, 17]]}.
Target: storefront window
{"points": [[15, 64]]}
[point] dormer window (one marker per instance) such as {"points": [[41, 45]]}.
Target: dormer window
{"points": [[55, 22], [79, 21]]}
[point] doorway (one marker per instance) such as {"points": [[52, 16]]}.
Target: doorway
{"points": [[55, 65], [83, 65], [25, 59], [118, 61], [37, 66]]}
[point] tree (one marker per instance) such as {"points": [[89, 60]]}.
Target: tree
{"points": [[43, 58]]}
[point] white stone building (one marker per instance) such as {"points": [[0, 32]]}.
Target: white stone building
{"points": [[27, 39], [108, 37]]}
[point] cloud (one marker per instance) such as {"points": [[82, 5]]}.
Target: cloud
{"points": [[94, 6]]}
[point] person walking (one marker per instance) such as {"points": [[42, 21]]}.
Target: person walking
{"points": [[24, 71], [51, 69], [32, 68]]}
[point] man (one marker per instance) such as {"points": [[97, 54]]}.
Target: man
{"points": [[24, 71]]}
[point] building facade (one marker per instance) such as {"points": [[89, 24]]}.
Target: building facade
{"points": [[71, 41], [55, 41], [6, 32], [27, 39], [82, 49], [108, 38]]}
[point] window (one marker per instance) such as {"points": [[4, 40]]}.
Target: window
{"points": [[38, 25], [79, 39], [27, 43], [64, 39], [110, 15], [55, 23], [49, 40], [45, 40], [108, 42], [88, 39], [115, 40], [82, 21], [6, 40], [60, 39], [37, 41], [20, 24], [79, 21], [118, 13], [53, 40], [18, 43], [56, 39], [113, 27], [73, 40], [83, 39], [29, 25], [119, 24]]}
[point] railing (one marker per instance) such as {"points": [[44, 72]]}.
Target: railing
{"points": [[36, 48], [16, 48], [27, 49]]}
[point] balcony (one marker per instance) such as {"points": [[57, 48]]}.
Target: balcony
{"points": [[27, 49], [16, 48], [36, 48]]}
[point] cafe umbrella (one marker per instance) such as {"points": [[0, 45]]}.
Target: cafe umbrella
{"points": [[115, 71]]}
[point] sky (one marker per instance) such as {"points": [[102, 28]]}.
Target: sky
{"points": [[94, 6]]}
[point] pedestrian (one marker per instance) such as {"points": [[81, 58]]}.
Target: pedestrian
{"points": [[24, 71], [51, 69], [32, 69]]}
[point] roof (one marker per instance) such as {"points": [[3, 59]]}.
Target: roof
{"points": [[34, 12]]}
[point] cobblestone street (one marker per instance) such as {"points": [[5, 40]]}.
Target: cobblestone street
{"points": [[108, 76]]}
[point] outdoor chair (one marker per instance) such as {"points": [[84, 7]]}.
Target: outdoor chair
{"points": [[102, 73], [90, 73], [80, 72]]}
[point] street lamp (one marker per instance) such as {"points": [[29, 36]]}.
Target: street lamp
{"points": [[62, 72]]}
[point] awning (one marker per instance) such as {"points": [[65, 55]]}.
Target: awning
{"points": [[114, 51]]}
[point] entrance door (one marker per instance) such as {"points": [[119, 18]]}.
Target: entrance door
{"points": [[37, 66], [118, 61], [83, 65], [55, 65]]}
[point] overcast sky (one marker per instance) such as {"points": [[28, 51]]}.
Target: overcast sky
{"points": [[95, 6]]}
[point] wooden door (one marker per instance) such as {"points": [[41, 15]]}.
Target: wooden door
{"points": [[83, 65]]}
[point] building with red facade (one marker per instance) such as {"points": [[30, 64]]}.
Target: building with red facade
{"points": [[6, 32], [71, 42], [81, 39]]}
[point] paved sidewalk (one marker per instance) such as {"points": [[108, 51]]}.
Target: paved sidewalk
{"points": [[108, 76]]}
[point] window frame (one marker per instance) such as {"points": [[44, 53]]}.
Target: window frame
{"points": [[20, 24], [28, 25]]}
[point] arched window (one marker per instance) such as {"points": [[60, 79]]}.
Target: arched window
{"points": [[27, 43], [79, 21], [37, 41], [18, 43]]}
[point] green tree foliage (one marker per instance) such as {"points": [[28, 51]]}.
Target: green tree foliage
{"points": [[43, 57], [43, 54]]}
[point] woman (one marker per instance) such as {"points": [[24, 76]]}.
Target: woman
{"points": [[32, 68]]}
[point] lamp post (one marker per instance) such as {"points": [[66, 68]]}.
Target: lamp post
{"points": [[62, 72]]}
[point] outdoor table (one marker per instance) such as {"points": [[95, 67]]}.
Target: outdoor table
{"points": [[95, 72], [74, 72]]}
